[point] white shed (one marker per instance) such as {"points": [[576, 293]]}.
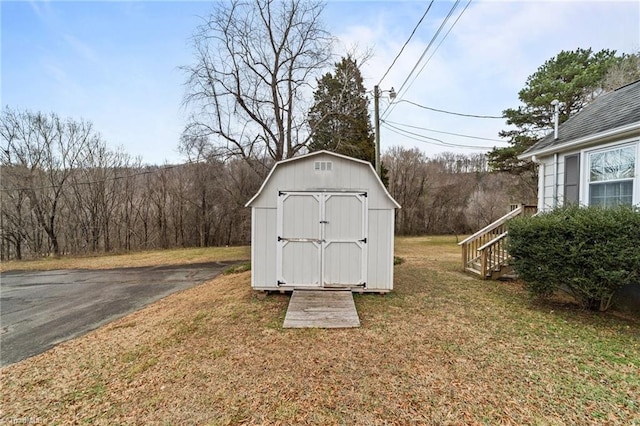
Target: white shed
{"points": [[322, 220]]}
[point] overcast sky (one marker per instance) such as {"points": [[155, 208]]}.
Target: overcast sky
{"points": [[116, 63]]}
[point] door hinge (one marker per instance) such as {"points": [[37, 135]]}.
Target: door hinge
{"points": [[364, 240], [281, 283], [364, 194], [280, 193], [324, 221], [279, 238]]}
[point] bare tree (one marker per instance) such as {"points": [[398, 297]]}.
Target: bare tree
{"points": [[624, 71], [15, 212], [95, 190], [46, 149], [449, 193], [407, 184], [250, 81], [490, 199]]}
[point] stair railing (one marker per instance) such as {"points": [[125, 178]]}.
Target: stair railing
{"points": [[494, 256], [485, 252]]}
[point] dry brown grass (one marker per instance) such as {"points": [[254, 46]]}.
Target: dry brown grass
{"points": [[143, 258], [443, 348]]}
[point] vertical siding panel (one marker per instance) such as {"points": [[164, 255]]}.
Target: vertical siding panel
{"points": [[380, 250], [386, 259], [270, 247], [258, 246], [263, 265], [548, 182], [254, 246], [373, 242], [392, 241], [541, 175]]}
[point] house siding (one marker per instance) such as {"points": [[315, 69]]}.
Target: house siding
{"points": [[547, 183], [547, 200]]}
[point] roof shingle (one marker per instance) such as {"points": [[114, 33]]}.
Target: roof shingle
{"points": [[607, 112]]}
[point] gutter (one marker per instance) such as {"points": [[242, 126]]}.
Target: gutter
{"points": [[596, 137]]}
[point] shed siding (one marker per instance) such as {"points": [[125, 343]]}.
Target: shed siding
{"points": [[380, 250], [263, 248], [346, 176]]}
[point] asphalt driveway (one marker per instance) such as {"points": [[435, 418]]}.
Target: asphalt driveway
{"points": [[38, 310]]}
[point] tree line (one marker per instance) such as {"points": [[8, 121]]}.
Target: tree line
{"points": [[63, 191], [450, 193]]}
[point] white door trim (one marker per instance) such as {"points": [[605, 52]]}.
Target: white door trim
{"points": [[321, 242]]}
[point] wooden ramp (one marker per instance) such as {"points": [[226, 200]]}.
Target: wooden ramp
{"points": [[321, 309]]}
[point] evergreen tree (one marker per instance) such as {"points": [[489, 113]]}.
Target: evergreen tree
{"points": [[339, 118], [572, 77]]}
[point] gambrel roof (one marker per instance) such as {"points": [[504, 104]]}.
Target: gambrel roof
{"points": [[336, 181], [616, 112]]}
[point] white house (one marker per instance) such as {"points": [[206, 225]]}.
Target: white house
{"points": [[321, 221], [594, 157]]}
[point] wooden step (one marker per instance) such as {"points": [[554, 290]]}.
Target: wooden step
{"points": [[473, 271], [504, 270], [321, 309]]}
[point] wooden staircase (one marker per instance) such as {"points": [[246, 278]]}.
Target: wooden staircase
{"points": [[485, 252]]}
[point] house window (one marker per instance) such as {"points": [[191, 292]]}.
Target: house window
{"points": [[611, 175]]}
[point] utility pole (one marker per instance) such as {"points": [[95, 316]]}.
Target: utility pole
{"points": [[376, 119]]}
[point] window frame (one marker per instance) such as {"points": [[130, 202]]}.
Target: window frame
{"points": [[585, 158]]}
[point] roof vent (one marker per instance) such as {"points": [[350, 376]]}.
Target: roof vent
{"points": [[323, 166], [556, 117]]}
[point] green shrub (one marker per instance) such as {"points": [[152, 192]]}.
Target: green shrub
{"points": [[588, 252]]}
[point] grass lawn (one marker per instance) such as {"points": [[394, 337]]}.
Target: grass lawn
{"points": [[143, 258], [443, 348]]}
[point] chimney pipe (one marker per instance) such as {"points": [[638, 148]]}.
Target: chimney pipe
{"points": [[556, 117]]}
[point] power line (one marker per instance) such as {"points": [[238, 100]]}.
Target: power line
{"points": [[425, 139], [451, 112], [391, 107], [433, 39], [437, 142], [443, 132], [406, 42], [439, 44]]}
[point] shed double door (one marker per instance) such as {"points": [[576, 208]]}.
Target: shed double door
{"points": [[322, 239]]}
